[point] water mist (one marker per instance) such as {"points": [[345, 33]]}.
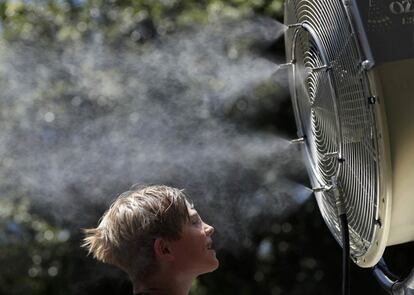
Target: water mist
{"points": [[81, 124]]}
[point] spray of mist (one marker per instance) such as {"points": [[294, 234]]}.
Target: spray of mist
{"points": [[80, 124]]}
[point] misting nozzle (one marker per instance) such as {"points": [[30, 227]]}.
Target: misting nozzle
{"points": [[321, 189], [286, 65], [298, 140], [321, 68], [297, 25]]}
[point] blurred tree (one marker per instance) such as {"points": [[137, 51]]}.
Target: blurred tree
{"points": [[118, 20], [31, 250]]}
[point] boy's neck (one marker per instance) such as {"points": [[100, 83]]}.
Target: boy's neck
{"points": [[164, 283]]}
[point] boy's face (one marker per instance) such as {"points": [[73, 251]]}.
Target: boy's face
{"points": [[194, 253]]}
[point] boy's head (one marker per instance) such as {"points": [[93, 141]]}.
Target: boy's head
{"points": [[146, 224]]}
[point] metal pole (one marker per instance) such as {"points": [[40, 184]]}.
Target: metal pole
{"points": [[394, 287]]}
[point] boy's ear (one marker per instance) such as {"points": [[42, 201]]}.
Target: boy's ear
{"points": [[162, 249]]}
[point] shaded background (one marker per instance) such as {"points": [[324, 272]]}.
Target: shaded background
{"points": [[98, 95]]}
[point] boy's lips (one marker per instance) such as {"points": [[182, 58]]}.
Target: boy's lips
{"points": [[210, 245]]}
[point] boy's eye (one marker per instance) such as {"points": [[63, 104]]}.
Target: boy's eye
{"points": [[195, 220]]}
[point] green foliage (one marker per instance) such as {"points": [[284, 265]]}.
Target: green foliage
{"points": [[132, 20], [30, 249]]}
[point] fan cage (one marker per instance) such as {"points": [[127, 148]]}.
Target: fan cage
{"points": [[334, 114]]}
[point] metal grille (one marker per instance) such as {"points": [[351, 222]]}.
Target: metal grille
{"points": [[333, 114]]}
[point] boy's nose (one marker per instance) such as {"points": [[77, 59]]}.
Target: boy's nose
{"points": [[209, 229]]}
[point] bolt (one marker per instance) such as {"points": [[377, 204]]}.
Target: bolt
{"points": [[367, 64], [355, 259], [372, 99]]}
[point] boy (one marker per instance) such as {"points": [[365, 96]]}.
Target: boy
{"points": [[156, 236]]}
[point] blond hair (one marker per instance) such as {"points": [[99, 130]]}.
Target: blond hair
{"points": [[126, 232]]}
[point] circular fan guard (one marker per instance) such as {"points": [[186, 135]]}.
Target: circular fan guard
{"points": [[330, 92]]}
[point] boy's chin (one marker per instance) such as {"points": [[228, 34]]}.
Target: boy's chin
{"points": [[211, 268], [215, 265]]}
